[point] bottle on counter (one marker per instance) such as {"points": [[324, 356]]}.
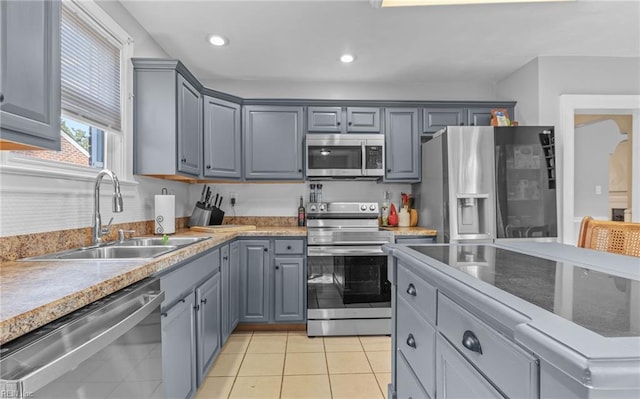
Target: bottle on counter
{"points": [[384, 209], [319, 193], [312, 192], [302, 215]]}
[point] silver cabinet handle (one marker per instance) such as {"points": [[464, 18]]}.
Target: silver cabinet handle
{"points": [[411, 290], [471, 342]]}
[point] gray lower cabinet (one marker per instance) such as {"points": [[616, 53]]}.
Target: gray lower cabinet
{"points": [[222, 144], [402, 144], [230, 288], [30, 74], [457, 378], [272, 281], [272, 142], [190, 323], [254, 281], [167, 120], [178, 349], [208, 321], [289, 289]]}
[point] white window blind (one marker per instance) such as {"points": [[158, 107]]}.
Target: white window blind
{"points": [[90, 72]]}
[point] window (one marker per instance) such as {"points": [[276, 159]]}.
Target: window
{"points": [[92, 77]]}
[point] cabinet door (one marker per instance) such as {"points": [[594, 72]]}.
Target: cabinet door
{"points": [[178, 349], [456, 377], [289, 289], [402, 144], [273, 142], [224, 294], [222, 132], [30, 73], [434, 119], [479, 116], [363, 120], [234, 285], [324, 119], [208, 311], [189, 127], [254, 280]]}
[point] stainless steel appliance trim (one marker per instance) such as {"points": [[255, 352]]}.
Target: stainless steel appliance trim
{"points": [[334, 139], [57, 367], [356, 250], [349, 313], [349, 327], [352, 140], [342, 224]]}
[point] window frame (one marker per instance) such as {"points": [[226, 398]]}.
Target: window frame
{"points": [[118, 145]]}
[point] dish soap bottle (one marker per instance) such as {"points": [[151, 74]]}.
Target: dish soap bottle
{"points": [[301, 213], [384, 209]]}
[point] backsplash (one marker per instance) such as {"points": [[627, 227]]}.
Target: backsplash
{"points": [[36, 244]]}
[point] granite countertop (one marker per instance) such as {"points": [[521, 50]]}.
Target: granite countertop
{"points": [[34, 293], [410, 231]]}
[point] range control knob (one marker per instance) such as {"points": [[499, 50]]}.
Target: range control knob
{"points": [[363, 207], [313, 208], [323, 207], [372, 207]]}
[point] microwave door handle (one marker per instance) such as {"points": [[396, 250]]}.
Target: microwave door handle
{"points": [[364, 158]]}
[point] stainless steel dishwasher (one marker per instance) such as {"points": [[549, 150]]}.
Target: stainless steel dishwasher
{"points": [[108, 349]]}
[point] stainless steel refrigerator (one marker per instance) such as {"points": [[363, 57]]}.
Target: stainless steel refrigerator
{"points": [[482, 183]]}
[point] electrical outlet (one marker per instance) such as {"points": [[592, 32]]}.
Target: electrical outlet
{"points": [[233, 198]]}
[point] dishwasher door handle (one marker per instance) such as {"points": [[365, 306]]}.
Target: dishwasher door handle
{"points": [[72, 359]]}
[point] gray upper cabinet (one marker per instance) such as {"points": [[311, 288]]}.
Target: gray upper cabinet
{"points": [[272, 142], [30, 74], [189, 127], [402, 144], [436, 118], [343, 120], [167, 122], [222, 144], [324, 119]]}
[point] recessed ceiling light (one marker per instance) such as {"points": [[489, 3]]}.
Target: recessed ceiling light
{"points": [[347, 58], [217, 40]]}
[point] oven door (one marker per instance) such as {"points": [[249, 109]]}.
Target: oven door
{"points": [[347, 277]]}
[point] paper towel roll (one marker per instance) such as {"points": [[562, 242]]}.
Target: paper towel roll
{"points": [[165, 221]]}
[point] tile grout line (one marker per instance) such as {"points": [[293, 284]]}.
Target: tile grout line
{"points": [[235, 378], [326, 361], [371, 367]]}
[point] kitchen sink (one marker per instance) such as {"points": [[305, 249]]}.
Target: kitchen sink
{"points": [[152, 241], [118, 252]]}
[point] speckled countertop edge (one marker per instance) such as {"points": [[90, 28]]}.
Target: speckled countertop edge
{"points": [[410, 231], [35, 293]]}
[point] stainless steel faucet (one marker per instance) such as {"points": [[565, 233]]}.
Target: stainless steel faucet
{"points": [[98, 231]]}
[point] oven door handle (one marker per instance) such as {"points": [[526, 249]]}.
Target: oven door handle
{"points": [[345, 250]]}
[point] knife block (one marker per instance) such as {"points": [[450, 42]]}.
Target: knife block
{"points": [[217, 215]]}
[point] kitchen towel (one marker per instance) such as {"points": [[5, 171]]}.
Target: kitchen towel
{"points": [[165, 207]]}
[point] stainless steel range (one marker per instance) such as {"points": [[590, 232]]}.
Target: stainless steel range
{"points": [[347, 288]]}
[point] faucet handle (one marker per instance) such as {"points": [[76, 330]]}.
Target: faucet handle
{"points": [[122, 234], [106, 230]]}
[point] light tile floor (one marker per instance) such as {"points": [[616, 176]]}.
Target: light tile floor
{"points": [[289, 365]]}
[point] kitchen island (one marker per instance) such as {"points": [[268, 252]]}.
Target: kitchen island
{"points": [[514, 320]]}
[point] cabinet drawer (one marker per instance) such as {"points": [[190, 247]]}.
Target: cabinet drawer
{"points": [[184, 279], [420, 294], [416, 341], [407, 385], [511, 369], [289, 247]]}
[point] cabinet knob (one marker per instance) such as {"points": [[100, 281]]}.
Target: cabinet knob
{"points": [[208, 166], [225, 258], [472, 124], [266, 250], [277, 267], [471, 342], [411, 341], [299, 170], [183, 160], [411, 290], [350, 123], [389, 170], [204, 300], [337, 123], [461, 124], [289, 247], [197, 307], [1, 97]]}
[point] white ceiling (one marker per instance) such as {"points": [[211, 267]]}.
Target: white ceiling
{"points": [[301, 40]]}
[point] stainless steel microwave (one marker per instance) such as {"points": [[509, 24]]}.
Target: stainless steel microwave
{"points": [[345, 155]]}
